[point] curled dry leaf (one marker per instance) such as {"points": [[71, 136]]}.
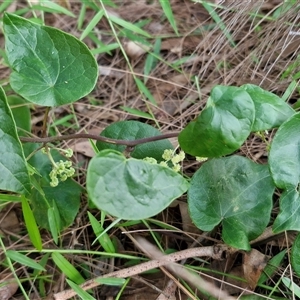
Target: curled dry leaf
{"points": [[84, 148], [9, 221], [8, 286], [187, 223], [253, 264], [64, 3], [134, 49]]}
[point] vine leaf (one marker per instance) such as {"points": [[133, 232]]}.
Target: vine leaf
{"points": [[50, 67], [295, 255], [222, 126], [289, 215], [21, 114], [233, 191], [65, 198], [133, 130], [13, 167], [284, 160], [284, 157], [270, 110], [131, 189]]}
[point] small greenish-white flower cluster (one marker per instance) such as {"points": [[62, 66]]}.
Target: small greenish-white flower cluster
{"points": [[201, 159], [60, 172], [169, 156], [67, 152]]}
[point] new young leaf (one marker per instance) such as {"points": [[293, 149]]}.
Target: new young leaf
{"points": [[270, 110], [222, 126]]}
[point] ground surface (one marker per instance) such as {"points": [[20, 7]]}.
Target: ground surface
{"points": [[261, 55]]}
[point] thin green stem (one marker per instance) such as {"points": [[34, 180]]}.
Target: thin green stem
{"points": [[10, 265]]}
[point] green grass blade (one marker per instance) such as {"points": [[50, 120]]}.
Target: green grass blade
{"points": [[291, 68], [135, 38], [292, 286], [31, 225], [62, 121], [12, 270], [137, 112], [91, 4], [289, 91], [154, 235], [219, 22], [5, 5], [24, 260], [165, 4], [102, 236], [108, 3], [272, 266], [111, 281], [112, 224], [68, 269], [54, 221], [9, 198], [181, 61], [143, 89], [118, 297], [284, 8], [95, 20], [106, 49], [52, 224], [81, 16], [79, 291], [51, 6], [129, 26], [151, 60]]}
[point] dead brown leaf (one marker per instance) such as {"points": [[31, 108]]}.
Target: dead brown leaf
{"points": [[253, 264], [8, 286], [9, 221], [84, 148]]}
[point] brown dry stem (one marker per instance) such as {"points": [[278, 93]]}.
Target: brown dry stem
{"points": [[214, 252]]}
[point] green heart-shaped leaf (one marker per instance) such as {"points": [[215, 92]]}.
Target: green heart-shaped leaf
{"points": [[284, 157], [235, 191], [21, 112], [270, 110], [13, 167], [50, 67], [222, 126], [295, 255], [133, 130], [129, 188], [289, 215]]}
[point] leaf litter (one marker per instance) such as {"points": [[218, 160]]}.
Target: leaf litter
{"points": [[265, 47]]}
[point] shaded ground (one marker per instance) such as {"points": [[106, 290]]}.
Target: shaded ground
{"points": [[265, 47]]}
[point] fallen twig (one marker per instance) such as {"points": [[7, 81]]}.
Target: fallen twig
{"points": [[212, 251]]}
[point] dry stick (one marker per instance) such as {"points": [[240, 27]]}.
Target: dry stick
{"points": [[171, 286], [99, 138], [212, 251], [181, 272]]}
